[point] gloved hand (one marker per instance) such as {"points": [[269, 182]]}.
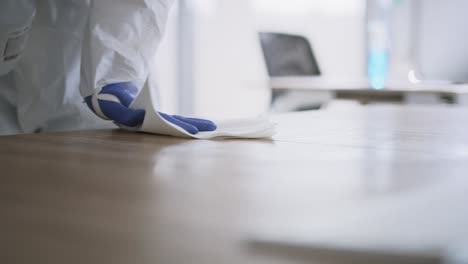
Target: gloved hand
{"points": [[114, 99]]}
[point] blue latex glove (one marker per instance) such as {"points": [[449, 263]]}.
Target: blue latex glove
{"points": [[122, 95]]}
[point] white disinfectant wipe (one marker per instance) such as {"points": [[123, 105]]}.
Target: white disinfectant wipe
{"points": [[155, 123]]}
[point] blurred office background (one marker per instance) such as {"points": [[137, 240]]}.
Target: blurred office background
{"points": [[212, 62]]}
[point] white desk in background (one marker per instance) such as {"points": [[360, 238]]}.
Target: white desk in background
{"points": [[419, 93]]}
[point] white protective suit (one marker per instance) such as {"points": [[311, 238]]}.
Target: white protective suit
{"points": [[75, 47]]}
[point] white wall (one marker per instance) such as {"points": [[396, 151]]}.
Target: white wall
{"points": [[229, 74], [442, 48]]}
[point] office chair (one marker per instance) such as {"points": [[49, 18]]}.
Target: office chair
{"points": [[291, 55]]}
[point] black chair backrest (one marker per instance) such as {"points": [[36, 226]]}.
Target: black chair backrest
{"points": [[288, 55]]}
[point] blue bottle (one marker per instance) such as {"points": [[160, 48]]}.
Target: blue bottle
{"points": [[378, 42]]}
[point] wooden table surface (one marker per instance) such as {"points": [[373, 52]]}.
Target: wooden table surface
{"points": [[112, 196]]}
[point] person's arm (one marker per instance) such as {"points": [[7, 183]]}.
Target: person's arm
{"points": [[120, 41]]}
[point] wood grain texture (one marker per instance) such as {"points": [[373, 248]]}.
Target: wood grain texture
{"points": [[112, 196]]}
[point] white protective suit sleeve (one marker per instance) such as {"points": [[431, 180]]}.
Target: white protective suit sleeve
{"points": [[120, 41]]}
